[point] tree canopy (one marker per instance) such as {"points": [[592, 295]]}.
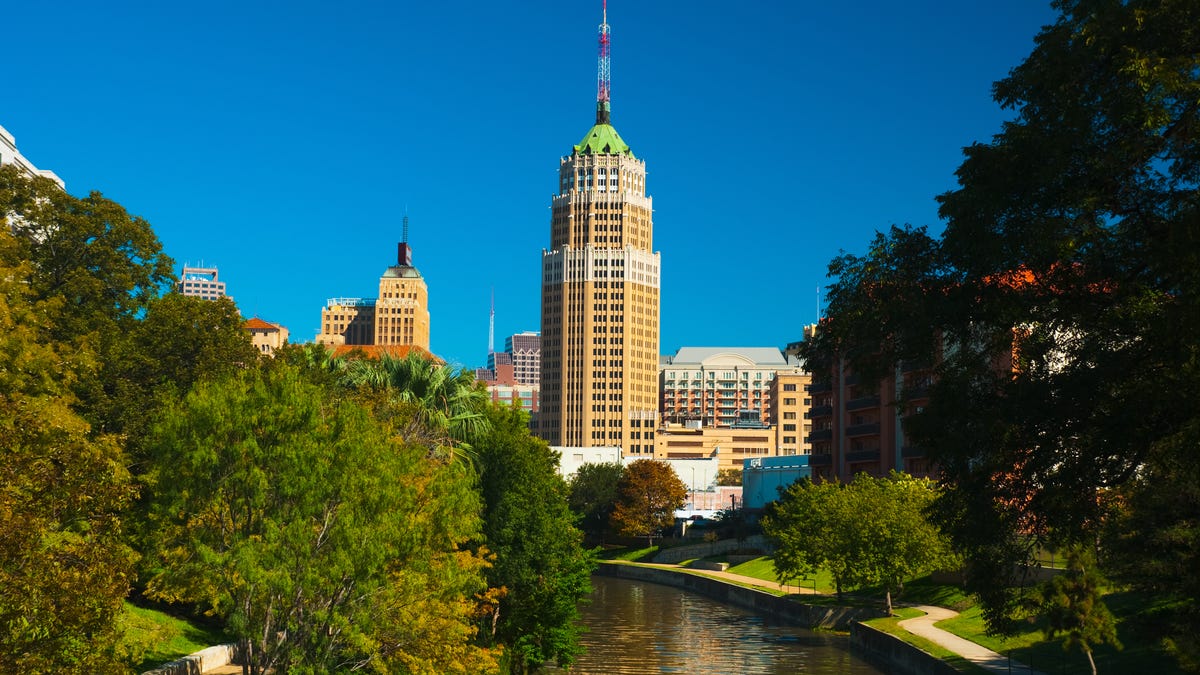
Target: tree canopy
{"points": [[1063, 288], [649, 493], [872, 531], [593, 496], [322, 543]]}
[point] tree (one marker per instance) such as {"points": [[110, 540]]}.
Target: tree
{"points": [[1063, 288], [104, 263], [649, 495], [871, 531], [593, 496], [729, 477], [64, 567], [323, 544], [539, 560], [1071, 604]]}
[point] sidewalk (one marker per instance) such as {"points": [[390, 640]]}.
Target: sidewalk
{"points": [[921, 626]]}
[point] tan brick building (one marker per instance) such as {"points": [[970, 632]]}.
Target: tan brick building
{"points": [[600, 300]]}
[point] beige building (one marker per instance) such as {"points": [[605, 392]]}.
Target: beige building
{"points": [[600, 300], [399, 316], [731, 446], [266, 337], [9, 154], [790, 403]]}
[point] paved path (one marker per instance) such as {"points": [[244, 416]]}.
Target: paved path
{"points": [[977, 654]]}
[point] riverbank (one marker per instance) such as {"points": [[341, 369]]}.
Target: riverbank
{"points": [[901, 657]]}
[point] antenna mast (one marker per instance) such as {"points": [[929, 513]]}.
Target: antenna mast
{"points": [[603, 83], [492, 326]]}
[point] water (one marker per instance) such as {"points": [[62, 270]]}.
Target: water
{"points": [[637, 627]]}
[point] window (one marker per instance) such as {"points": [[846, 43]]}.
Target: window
{"points": [[789, 387], [789, 415], [789, 401], [789, 427]]}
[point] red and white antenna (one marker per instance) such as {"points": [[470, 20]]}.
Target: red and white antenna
{"points": [[603, 82], [492, 326]]}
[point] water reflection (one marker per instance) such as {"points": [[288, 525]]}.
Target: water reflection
{"points": [[636, 627]]}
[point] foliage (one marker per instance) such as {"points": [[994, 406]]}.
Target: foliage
{"points": [[63, 565], [323, 544], [539, 559], [649, 494], [729, 477], [105, 264], [732, 523], [870, 531], [151, 638], [592, 496], [1071, 604], [1063, 288]]}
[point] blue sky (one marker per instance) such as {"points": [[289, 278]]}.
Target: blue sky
{"points": [[283, 142]]}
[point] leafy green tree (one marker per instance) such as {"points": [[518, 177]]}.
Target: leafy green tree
{"points": [[729, 477], [178, 342], [1071, 604], [593, 496], [868, 532], [64, 568], [1063, 288], [105, 264], [539, 560], [323, 544], [649, 495]]}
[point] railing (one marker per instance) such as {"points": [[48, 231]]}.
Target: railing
{"points": [[821, 435], [820, 460], [909, 451], [820, 387], [861, 403], [863, 456], [863, 429]]}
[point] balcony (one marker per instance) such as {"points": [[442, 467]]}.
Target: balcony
{"points": [[863, 429], [821, 435], [862, 403], [820, 460], [909, 451], [820, 387], [863, 456], [819, 411]]}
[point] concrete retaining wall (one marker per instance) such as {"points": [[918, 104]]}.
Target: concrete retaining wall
{"points": [[895, 654], [194, 664], [676, 554], [754, 600]]}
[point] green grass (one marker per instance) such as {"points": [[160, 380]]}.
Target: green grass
{"points": [[153, 637], [629, 554], [764, 568]]}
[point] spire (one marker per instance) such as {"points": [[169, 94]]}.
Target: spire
{"points": [[492, 326], [403, 251], [603, 83]]}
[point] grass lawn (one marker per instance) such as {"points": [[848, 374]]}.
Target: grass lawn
{"points": [[153, 637], [629, 554], [764, 568]]}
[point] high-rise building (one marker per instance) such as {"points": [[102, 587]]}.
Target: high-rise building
{"points": [[600, 294], [399, 316], [201, 282], [525, 351]]}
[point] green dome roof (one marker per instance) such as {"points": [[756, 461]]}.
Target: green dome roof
{"points": [[603, 139]]}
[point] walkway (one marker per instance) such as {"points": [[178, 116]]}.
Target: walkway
{"points": [[921, 625]]}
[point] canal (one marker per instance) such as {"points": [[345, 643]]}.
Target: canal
{"points": [[638, 627]]}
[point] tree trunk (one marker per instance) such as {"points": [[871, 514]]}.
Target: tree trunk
{"points": [[1091, 661], [889, 601]]}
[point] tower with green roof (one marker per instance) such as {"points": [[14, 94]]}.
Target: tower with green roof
{"points": [[600, 294]]}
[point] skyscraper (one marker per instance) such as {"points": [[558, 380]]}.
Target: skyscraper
{"points": [[201, 282], [600, 294]]}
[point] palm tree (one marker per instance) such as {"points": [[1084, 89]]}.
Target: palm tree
{"points": [[448, 402]]}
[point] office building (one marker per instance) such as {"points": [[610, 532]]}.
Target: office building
{"points": [[10, 155], [201, 282], [600, 295]]}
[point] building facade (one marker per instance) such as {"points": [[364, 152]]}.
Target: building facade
{"points": [[721, 386], [600, 296], [525, 352], [201, 282]]}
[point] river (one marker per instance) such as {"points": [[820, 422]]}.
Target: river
{"points": [[638, 627]]}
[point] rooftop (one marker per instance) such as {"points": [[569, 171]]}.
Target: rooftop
{"points": [[603, 139]]}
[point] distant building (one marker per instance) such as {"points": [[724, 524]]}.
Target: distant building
{"points": [[10, 155], [398, 316], [730, 445], [266, 337], [764, 478], [525, 352], [503, 386], [721, 386], [201, 282]]}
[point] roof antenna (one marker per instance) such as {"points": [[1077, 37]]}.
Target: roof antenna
{"points": [[603, 83]]}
